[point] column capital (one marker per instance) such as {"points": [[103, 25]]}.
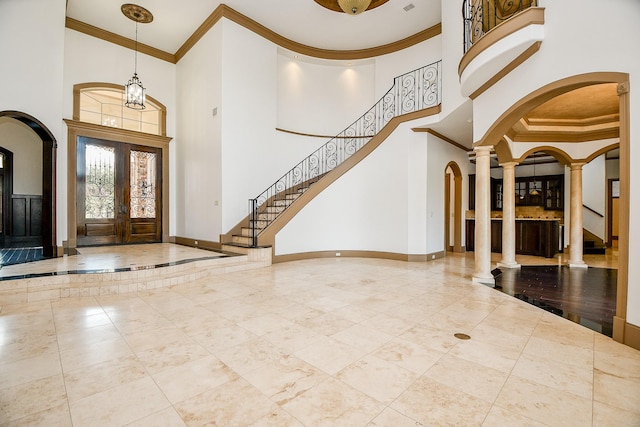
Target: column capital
{"points": [[484, 150], [577, 165], [509, 165]]}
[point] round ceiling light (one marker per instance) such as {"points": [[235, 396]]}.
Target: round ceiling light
{"points": [[347, 6], [354, 7]]}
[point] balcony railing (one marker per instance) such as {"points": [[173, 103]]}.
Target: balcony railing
{"points": [[413, 91], [480, 16]]}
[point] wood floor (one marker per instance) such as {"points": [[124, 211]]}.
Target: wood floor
{"points": [[585, 296]]}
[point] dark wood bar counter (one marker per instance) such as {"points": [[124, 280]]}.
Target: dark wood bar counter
{"points": [[540, 237]]}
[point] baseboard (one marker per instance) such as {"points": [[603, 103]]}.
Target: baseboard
{"points": [[632, 335], [358, 254], [196, 243]]}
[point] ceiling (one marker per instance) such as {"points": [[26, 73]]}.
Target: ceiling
{"points": [[303, 21], [574, 116]]}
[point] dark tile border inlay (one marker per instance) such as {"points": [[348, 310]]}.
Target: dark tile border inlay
{"points": [[118, 270]]}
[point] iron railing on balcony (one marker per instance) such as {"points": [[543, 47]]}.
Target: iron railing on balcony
{"points": [[480, 16], [413, 91]]}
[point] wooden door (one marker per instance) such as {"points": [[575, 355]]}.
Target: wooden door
{"points": [[119, 193]]}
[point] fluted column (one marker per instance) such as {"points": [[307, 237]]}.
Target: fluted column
{"points": [[575, 211], [509, 216], [482, 273]]}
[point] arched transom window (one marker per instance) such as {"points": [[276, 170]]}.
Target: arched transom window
{"points": [[103, 104]]}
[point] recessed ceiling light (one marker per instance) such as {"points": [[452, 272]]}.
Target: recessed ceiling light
{"points": [[408, 7]]}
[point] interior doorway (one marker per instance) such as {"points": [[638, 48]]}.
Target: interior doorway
{"points": [[30, 218], [453, 208], [119, 193]]}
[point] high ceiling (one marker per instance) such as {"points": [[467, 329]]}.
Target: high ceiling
{"points": [[303, 21], [580, 114]]}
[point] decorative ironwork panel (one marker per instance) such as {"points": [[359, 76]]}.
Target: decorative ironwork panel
{"points": [[100, 176], [142, 180], [480, 16]]}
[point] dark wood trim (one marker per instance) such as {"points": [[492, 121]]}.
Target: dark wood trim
{"points": [[593, 211], [77, 129], [444, 138], [196, 243], [320, 136], [359, 254], [528, 53], [90, 30], [632, 335]]}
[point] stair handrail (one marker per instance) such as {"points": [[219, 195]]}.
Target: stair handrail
{"points": [[413, 91], [593, 211]]}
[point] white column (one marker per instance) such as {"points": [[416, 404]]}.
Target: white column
{"points": [[482, 273], [575, 211], [509, 216]]}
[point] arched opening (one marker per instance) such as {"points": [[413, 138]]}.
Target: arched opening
{"points": [[46, 224], [535, 99], [453, 208]]}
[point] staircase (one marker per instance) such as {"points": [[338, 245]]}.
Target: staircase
{"points": [[592, 244], [412, 92]]}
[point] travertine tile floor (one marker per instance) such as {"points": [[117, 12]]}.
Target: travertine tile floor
{"points": [[327, 342]]}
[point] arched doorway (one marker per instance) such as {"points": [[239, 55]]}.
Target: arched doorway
{"points": [[453, 208], [48, 209], [535, 99]]}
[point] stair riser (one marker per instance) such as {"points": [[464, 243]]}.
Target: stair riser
{"points": [[241, 239], [247, 231]]}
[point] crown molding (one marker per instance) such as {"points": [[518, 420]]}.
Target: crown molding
{"points": [[90, 30], [224, 11]]}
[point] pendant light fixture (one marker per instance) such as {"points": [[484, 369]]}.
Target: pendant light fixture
{"points": [[534, 191], [134, 90]]}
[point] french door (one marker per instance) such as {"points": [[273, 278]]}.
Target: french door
{"points": [[119, 193]]}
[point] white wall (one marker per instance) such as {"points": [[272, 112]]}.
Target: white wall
{"points": [[31, 66], [365, 209], [198, 158], [251, 156], [322, 97], [26, 147], [570, 48], [392, 201], [440, 153], [594, 195]]}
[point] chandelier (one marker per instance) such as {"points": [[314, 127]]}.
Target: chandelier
{"points": [[134, 90]]}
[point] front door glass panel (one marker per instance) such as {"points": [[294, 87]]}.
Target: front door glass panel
{"points": [[100, 182], [142, 181]]}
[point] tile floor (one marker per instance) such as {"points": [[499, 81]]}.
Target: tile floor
{"points": [[327, 342]]}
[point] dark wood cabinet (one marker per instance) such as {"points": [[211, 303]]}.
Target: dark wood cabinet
{"points": [[472, 192], [540, 238], [545, 191]]}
